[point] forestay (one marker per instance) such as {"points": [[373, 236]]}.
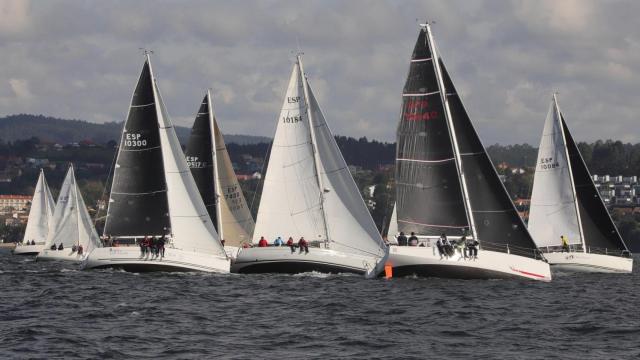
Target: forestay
{"points": [[40, 213], [290, 204], [350, 226], [553, 211]]}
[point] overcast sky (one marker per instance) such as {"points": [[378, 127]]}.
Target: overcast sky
{"points": [[80, 59]]}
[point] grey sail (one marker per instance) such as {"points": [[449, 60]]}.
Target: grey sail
{"points": [[495, 217], [429, 197], [598, 229], [138, 201], [200, 158]]}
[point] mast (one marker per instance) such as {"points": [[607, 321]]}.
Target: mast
{"points": [[571, 181], [216, 175], [316, 162], [452, 134], [156, 101]]}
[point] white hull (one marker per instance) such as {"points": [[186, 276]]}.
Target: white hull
{"points": [[426, 261], [27, 249], [129, 258], [63, 255], [280, 259], [585, 262]]}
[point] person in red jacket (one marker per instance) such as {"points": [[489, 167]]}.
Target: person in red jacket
{"points": [[291, 245], [302, 243], [263, 242]]}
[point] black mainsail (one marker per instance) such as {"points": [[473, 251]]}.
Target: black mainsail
{"points": [[138, 200], [429, 197], [598, 229], [444, 173], [199, 156]]}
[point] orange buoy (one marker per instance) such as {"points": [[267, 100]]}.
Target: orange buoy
{"points": [[388, 270]]}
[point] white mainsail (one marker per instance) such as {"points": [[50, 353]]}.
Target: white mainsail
{"points": [[553, 210], [290, 204], [40, 213], [71, 224], [191, 226], [349, 222], [235, 222]]}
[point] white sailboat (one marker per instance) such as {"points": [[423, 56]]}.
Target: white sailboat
{"points": [[446, 184], [565, 202], [213, 173], [40, 214], [309, 192], [154, 195], [72, 234]]}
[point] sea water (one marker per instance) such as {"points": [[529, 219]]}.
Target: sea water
{"points": [[53, 310]]}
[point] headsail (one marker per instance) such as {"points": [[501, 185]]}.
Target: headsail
{"points": [[40, 213], [598, 228], [71, 223], [349, 223], [393, 223], [191, 226], [290, 200], [138, 200], [236, 222], [553, 210]]}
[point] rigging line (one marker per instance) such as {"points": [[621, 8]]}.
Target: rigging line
{"points": [[139, 194], [104, 190], [355, 248], [293, 145]]}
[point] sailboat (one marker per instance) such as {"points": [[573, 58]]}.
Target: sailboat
{"points": [[446, 184], [565, 202], [153, 195], [211, 167], [71, 226], [40, 215], [309, 192]]}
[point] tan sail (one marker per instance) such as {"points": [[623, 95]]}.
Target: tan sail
{"points": [[235, 223]]}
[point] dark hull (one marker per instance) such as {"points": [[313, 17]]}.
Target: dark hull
{"points": [[295, 267]]}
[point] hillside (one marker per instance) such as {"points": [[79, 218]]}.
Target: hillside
{"points": [[63, 131]]}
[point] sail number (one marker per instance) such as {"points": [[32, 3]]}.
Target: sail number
{"points": [[418, 110], [134, 140], [194, 162], [234, 198], [548, 163], [291, 119]]}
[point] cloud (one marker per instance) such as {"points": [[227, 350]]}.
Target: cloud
{"points": [[81, 60]]}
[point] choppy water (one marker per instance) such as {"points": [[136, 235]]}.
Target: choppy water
{"points": [[51, 310]]}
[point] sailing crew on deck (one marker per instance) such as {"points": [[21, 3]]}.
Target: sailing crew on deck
{"points": [[60, 247], [80, 249], [291, 245], [472, 245], [278, 241], [303, 245], [53, 246], [413, 239], [161, 243], [73, 248], [446, 245], [263, 242], [402, 239], [565, 243], [439, 244], [33, 242]]}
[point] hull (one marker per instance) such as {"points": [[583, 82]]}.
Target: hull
{"points": [[280, 259], [28, 249], [586, 262], [60, 255], [426, 261], [129, 258]]}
